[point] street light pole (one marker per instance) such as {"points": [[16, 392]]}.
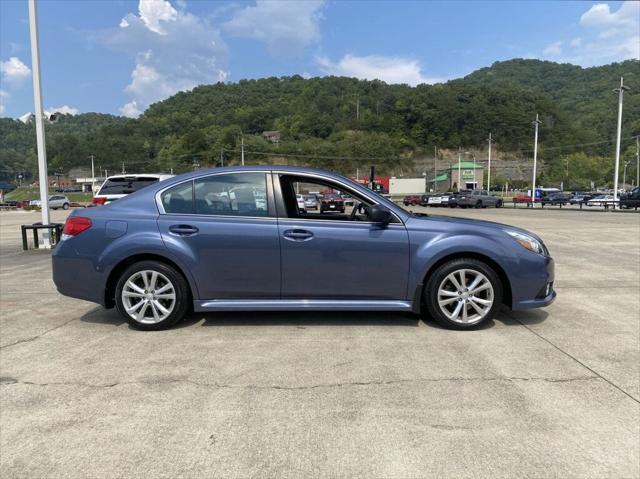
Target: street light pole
{"points": [[637, 160], [624, 174], [435, 168], [489, 167], [459, 167], [93, 176], [40, 140], [242, 149], [620, 92], [535, 162]]}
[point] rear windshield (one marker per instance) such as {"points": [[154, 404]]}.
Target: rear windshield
{"points": [[124, 186]]}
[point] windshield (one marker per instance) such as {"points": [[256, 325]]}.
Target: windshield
{"points": [[125, 186]]}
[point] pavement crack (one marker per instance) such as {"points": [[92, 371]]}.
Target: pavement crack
{"points": [[600, 376], [33, 338], [6, 381]]}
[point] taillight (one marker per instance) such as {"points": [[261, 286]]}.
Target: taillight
{"points": [[99, 200], [76, 225]]}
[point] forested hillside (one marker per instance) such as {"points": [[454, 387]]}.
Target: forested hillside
{"points": [[325, 121]]}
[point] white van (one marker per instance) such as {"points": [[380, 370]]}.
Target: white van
{"points": [[118, 186]]}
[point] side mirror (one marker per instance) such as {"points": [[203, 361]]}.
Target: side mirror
{"points": [[379, 214]]}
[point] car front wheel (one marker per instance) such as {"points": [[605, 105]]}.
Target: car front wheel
{"points": [[65, 206], [463, 293], [152, 296]]}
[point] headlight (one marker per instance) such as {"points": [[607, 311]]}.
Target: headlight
{"points": [[529, 242]]}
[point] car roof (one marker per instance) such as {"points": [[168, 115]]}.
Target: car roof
{"points": [[160, 176]]}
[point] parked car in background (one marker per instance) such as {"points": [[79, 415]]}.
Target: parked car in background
{"points": [[119, 186], [602, 200], [447, 199], [301, 203], [631, 199], [331, 202], [479, 199], [170, 248], [311, 202], [55, 202], [348, 200], [412, 200], [556, 199], [579, 198]]}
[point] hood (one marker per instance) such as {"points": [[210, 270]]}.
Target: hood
{"points": [[471, 223]]}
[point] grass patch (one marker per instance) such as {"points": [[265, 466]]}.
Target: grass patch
{"points": [[29, 193]]}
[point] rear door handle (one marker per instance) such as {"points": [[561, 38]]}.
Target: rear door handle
{"points": [[298, 235], [183, 230]]}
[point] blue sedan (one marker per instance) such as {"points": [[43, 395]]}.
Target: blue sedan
{"points": [[231, 239]]}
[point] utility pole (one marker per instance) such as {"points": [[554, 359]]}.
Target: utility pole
{"points": [[123, 168], [638, 160], [489, 167], [435, 168], [40, 140], [624, 175], [93, 175], [222, 157], [242, 148], [535, 162], [459, 167], [620, 92], [357, 106]]}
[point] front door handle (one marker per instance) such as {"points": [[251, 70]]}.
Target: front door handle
{"points": [[298, 235], [183, 230]]}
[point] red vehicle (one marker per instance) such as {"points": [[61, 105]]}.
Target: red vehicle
{"points": [[412, 200], [523, 198], [331, 202]]}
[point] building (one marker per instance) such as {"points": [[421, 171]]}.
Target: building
{"points": [[468, 174], [272, 136]]}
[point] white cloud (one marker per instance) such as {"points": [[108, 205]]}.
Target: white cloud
{"points": [[287, 27], [607, 36], [553, 49], [4, 96], [575, 42], [64, 110], [130, 109], [173, 50], [14, 72], [387, 69], [154, 12]]}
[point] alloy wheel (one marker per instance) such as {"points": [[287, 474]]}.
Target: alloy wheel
{"points": [[148, 296], [465, 296]]}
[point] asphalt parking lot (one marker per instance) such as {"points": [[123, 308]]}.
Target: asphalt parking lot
{"points": [[548, 393]]}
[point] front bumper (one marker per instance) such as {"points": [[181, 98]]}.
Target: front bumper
{"points": [[535, 290]]}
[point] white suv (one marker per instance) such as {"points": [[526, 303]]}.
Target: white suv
{"points": [[119, 186]]}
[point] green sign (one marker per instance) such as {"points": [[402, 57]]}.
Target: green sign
{"points": [[467, 174]]}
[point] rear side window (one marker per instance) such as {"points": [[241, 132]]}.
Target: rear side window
{"points": [[233, 194], [179, 199], [125, 186]]}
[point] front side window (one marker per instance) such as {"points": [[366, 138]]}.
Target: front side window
{"points": [[233, 194]]}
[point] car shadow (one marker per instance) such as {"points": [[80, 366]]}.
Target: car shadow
{"points": [[519, 318], [305, 318]]}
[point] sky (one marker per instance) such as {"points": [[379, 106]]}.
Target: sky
{"points": [[120, 56]]}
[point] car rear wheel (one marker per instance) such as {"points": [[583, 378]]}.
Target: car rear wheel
{"points": [[152, 296], [479, 204], [65, 206], [463, 293], [499, 204]]}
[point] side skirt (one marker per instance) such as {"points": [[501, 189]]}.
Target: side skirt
{"points": [[300, 305]]}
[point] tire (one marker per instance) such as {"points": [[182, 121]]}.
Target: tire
{"points": [[177, 306], [65, 206], [439, 281], [499, 204], [479, 204]]}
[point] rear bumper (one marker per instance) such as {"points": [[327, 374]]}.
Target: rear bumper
{"points": [[75, 276]]}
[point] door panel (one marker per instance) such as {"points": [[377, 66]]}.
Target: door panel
{"points": [[229, 257], [326, 259]]}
